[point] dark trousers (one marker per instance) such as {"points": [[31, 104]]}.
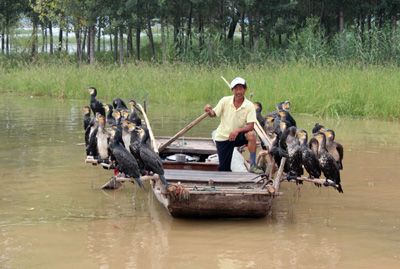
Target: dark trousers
{"points": [[225, 151]]}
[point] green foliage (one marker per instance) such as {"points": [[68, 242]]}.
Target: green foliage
{"points": [[333, 90]]}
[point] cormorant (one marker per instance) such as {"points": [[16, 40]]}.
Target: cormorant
{"points": [[260, 118], [87, 121], [149, 157], [290, 143], [91, 148], [102, 139], [334, 148], [134, 116], [327, 163], [281, 127], [318, 128], [275, 149], [118, 103], [285, 115], [309, 157], [95, 105], [126, 134], [267, 126], [126, 162], [124, 113], [117, 116], [109, 114]]}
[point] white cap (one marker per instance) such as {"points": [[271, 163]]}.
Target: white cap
{"points": [[237, 81]]}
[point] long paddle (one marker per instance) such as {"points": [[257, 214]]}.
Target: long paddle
{"points": [[152, 138], [184, 130]]}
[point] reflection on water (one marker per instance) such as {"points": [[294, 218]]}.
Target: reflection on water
{"points": [[53, 213]]}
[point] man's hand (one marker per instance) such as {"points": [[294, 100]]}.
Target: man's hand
{"points": [[233, 135], [210, 111]]}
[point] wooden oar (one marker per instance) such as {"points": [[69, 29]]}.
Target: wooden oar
{"points": [[180, 133], [153, 139]]}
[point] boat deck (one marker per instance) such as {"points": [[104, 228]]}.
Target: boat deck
{"points": [[186, 176]]}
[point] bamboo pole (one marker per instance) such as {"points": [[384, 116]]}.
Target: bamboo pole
{"points": [[184, 130], [153, 139]]}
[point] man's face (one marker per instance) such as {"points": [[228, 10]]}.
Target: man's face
{"points": [[239, 91]]}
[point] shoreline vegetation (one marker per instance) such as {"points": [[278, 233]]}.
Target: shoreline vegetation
{"points": [[333, 90], [328, 58]]}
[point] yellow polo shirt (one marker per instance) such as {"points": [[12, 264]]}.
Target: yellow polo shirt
{"points": [[232, 118]]}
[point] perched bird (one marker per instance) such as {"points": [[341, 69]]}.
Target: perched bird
{"points": [[334, 148], [126, 162], [109, 114], [91, 148], [268, 128], [318, 128], [260, 118], [290, 144], [282, 127], [134, 116], [285, 115], [95, 105], [126, 134], [118, 103], [102, 139], [275, 149], [124, 114], [118, 118], [150, 158], [327, 163], [86, 117], [281, 106], [309, 157], [87, 121]]}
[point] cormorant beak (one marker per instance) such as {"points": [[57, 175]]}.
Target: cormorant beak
{"points": [[281, 113]]}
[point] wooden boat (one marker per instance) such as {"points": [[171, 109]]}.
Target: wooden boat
{"points": [[213, 194], [197, 189]]}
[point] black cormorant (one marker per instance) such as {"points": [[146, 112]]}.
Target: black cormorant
{"points": [[268, 128], [318, 128], [309, 157], [327, 163], [126, 162], [285, 115], [334, 148], [109, 114], [290, 143], [118, 103], [87, 121], [149, 157], [260, 118], [134, 116], [95, 105]]}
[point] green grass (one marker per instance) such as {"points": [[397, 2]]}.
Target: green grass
{"points": [[331, 90]]}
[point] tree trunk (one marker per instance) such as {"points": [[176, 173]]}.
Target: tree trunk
{"points": [[341, 28], [115, 45], [111, 43], [34, 40], [129, 41], [242, 28], [2, 40], [257, 34], [84, 40], [92, 44], [51, 39], [78, 44], [60, 39], [66, 40], [232, 25], [189, 29], [163, 44], [138, 43], [88, 44], [121, 46], [394, 25], [201, 33], [150, 35], [98, 39], [321, 17], [211, 41], [251, 41], [370, 30]]}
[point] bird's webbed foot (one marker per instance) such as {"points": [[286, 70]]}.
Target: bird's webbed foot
{"points": [[326, 183]]}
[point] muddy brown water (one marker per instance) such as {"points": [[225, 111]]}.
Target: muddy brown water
{"points": [[53, 213]]}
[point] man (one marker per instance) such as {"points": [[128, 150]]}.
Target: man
{"points": [[238, 116]]}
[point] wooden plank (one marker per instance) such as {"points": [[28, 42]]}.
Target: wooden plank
{"points": [[205, 176]]}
